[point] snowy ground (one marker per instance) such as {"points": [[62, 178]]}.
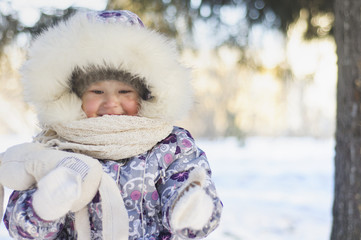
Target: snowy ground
{"points": [[271, 188]]}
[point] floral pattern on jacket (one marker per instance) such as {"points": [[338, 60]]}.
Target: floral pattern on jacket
{"points": [[150, 184]]}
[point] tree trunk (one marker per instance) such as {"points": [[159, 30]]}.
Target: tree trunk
{"points": [[347, 197]]}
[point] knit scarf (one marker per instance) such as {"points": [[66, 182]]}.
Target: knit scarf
{"points": [[109, 137]]}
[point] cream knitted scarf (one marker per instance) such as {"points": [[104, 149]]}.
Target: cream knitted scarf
{"points": [[107, 137]]}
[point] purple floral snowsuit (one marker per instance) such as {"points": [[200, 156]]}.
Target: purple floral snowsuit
{"points": [[149, 186]]}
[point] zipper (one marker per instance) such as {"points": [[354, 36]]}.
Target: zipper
{"points": [[142, 196]]}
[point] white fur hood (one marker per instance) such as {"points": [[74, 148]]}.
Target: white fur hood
{"points": [[81, 41]]}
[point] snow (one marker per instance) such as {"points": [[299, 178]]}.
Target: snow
{"points": [[271, 188]]}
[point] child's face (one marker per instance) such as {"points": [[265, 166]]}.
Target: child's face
{"points": [[110, 97]]}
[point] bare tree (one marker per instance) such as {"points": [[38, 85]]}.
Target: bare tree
{"points": [[347, 199]]}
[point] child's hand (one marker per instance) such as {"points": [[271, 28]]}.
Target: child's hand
{"points": [[56, 193], [13, 163], [69, 187], [66, 180], [193, 209]]}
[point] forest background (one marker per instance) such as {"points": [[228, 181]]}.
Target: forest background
{"points": [[265, 75], [260, 67]]}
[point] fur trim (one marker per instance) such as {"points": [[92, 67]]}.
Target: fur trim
{"points": [[79, 42], [81, 79]]}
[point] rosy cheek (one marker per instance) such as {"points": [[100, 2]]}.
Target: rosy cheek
{"points": [[131, 107], [90, 107]]}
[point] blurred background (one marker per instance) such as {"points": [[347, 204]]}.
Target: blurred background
{"points": [[264, 74]]}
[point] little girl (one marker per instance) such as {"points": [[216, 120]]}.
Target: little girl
{"points": [[107, 88]]}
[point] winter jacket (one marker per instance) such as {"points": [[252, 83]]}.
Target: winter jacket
{"points": [[149, 183]]}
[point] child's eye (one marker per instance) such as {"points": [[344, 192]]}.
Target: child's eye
{"points": [[124, 91], [97, 91]]}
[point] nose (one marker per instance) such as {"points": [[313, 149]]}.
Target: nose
{"points": [[111, 101]]}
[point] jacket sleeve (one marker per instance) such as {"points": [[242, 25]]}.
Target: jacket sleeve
{"points": [[22, 222], [179, 159]]}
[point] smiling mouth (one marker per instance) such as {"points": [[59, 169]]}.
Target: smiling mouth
{"points": [[108, 114]]}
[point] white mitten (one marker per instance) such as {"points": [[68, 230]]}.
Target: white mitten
{"points": [[73, 183], [12, 168], [59, 190], [194, 207], [192, 210], [56, 193], [76, 176]]}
